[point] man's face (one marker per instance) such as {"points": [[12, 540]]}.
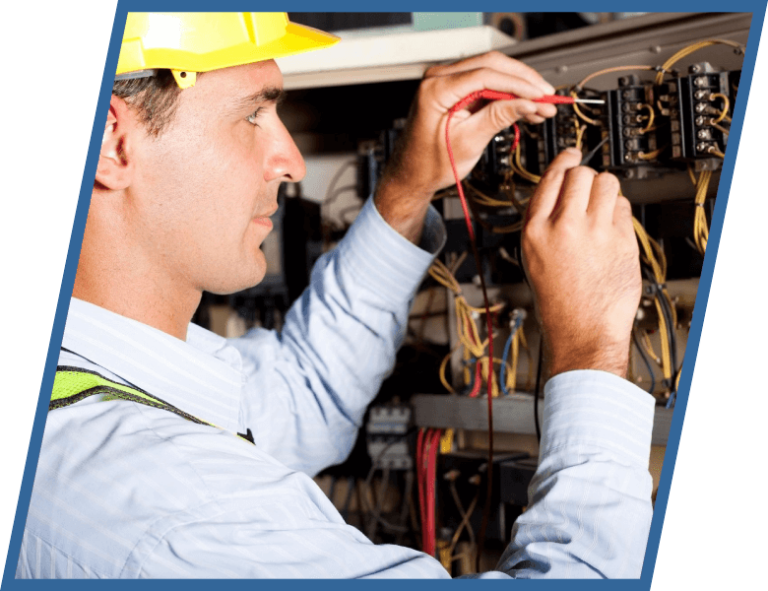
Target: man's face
{"points": [[205, 188]]}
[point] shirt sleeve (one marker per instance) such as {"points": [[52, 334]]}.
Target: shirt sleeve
{"points": [[309, 386], [589, 513], [590, 500]]}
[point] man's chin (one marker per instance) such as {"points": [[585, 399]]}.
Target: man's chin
{"points": [[240, 284]]}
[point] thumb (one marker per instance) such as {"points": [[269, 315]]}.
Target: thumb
{"points": [[498, 115]]}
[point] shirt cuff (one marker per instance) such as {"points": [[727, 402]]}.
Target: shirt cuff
{"points": [[599, 409], [385, 261]]}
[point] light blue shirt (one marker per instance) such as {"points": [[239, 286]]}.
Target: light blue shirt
{"points": [[130, 491]]}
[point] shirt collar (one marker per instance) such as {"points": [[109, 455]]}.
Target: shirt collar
{"points": [[202, 376]]}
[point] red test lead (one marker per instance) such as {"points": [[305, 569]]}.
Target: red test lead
{"points": [[491, 95]]}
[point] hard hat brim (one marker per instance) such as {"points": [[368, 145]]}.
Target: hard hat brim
{"points": [[297, 39]]}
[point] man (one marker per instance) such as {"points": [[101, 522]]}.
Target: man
{"points": [[187, 178]]}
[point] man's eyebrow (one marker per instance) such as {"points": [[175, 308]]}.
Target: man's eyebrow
{"points": [[269, 94]]}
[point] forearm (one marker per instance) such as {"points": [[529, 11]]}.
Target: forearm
{"points": [[402, 208], [590, 500]]}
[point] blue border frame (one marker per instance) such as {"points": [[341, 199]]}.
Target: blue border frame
{"points": [[706, 529]]}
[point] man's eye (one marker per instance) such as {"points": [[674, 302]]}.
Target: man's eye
{"points": [[252, 117]]}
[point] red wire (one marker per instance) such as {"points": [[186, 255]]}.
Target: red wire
{"points": [[434, 445], [492, 95], [478, 381], [428, 440], [421, 483]]}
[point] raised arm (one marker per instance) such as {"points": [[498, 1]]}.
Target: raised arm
{"points": [[590, 499], [315, 380]]}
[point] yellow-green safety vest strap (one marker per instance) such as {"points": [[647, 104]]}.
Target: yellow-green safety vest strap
{"points": [[73, 384]]}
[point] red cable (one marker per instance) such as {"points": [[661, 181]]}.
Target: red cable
{"points": [[492, 95], [420, 482], [431, 476], [478, 381]]}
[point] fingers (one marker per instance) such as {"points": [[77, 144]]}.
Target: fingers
{"points": [[498, 115], [602, 200], [461, 84], [546, 196], [622, 215], [495, 61]]}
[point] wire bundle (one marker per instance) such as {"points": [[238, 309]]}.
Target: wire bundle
{"points": [[700, 227], [655, 269], [468, 334], [466, 515], [508, 381], [427, 445]]}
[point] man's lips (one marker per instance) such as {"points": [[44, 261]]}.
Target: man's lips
{"points": [[263, 221]]}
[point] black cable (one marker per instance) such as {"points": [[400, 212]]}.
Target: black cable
{"points": [[645, 360], [591, 153], [666, 311]]}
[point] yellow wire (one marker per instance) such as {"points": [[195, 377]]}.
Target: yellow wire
{"points": [[648, 346], [689, 50], [700, 227], [512, 373], [466, 327], [579, 136], [444, 365], [691, 175], [649, 155], [578, 112], [609, 70], [719, 127], [650, 250], [485, 199], [529, 176], [726, 106], [651, 116]]}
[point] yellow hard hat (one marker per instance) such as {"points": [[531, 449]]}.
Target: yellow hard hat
{"points": [[191, 42]]}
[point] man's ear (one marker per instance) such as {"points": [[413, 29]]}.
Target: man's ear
{"points": [[115, 169]]}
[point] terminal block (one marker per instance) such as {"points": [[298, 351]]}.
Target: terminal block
{"points": [[555, 135], [496, 162], [630, 122], [387, 444], [694, 104]]}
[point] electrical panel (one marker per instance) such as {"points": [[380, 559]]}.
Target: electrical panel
{"points": [[667, 88]]}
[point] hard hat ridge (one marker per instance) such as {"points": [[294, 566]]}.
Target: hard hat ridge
{"points": [[188, 43]]}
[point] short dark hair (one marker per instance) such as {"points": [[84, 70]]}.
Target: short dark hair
{"points": [[153, 97]]}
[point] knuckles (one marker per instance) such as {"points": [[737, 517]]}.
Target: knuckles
{"points": [[579, 173], [608, 182]]}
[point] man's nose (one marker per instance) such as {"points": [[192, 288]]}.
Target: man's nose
{"points": [[284, 161]]}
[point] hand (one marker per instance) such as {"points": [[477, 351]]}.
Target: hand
{"points": [[581, 255], [420, 166]]}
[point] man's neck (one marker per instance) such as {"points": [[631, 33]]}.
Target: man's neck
{"points": [[120, 277], [147, 308]]}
